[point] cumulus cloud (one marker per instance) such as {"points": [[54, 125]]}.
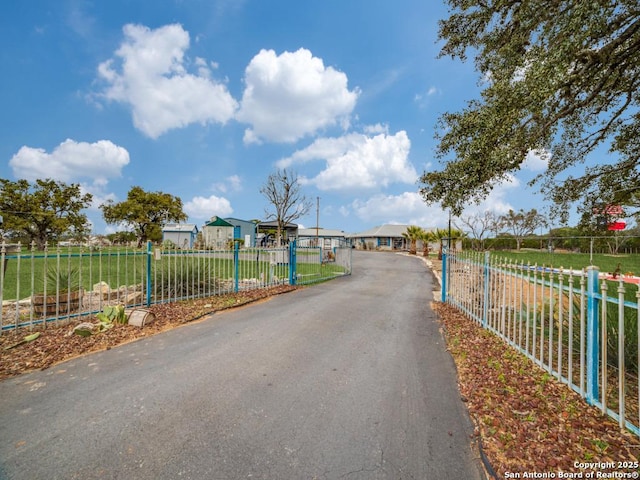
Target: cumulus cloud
{"points": [[409, 208], [536, 161], [149, 73], [71, 161], [205, 207], [405, 208], [358, 161], [497, 201], [291, 95], [232, 183]]}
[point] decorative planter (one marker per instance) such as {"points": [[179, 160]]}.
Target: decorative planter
{"points": [[51, 304], [140, 317]]}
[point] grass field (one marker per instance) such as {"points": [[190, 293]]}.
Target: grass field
{"points": [[37, 272], [606, 263]]}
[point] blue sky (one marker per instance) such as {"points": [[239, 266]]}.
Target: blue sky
{"points": [[204, 99]]}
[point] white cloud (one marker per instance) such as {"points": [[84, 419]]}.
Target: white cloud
{"points": [[99, 195], [496, 202], [291, 95], [204, 208], [358, 161], [409, 207], [149, 74], [431, 91], [230, 184], [536, 161], [377, 128], [71, 161], [406, 208]]}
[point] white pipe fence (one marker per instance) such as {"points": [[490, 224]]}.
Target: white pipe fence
{"points": [[40, 287], [577, 325]]}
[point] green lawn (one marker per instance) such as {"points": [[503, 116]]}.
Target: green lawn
{"points": [[576, 261], [118, 267]]}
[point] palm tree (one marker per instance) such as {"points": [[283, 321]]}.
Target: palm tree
{"points": [[427, 237], [441, 233], [412, 234]]}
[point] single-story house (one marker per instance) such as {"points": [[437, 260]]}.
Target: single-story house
{"points": [[322, 237], [217, 233], [267, 233], [385, 237], [183, 235], [243, 230]]}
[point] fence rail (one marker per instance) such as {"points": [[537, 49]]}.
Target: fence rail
{"points": [[579, 325], [40, 287]]}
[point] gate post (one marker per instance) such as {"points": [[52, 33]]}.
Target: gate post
{"points": [[593, 336], [236, 265], [149, 283], [293, 268], [445, 254]]}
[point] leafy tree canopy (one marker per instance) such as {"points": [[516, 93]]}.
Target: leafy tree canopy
{"points": [[522, 223], [43, 211], [145, 212], [560, 78]]}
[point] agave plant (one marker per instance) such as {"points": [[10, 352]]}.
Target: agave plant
{"points": [[67, 280]]}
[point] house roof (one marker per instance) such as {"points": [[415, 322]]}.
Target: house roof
{"points": [[321, 232], [217, 222], [237, 220], [274, 224], [180, 227], [382, 231]]}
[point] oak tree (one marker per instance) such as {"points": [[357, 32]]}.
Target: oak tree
{"points": [[560, 78], [144, 212], [43, 211], [522, 223]]}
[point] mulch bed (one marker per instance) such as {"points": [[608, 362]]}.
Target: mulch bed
{"points": [[526, 421], [57, 343]]}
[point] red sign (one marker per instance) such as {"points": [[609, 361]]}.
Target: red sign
{"points": [[613, 210], [617, 225]]}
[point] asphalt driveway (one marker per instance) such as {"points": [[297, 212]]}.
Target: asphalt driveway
{"points": [[349, 379]]}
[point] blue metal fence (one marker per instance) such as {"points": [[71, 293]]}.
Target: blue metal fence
{"points": [[563, 320], [39, 287]]}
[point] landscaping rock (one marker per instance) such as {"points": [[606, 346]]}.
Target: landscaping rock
{"points": [[84, 329], [133, 298]]}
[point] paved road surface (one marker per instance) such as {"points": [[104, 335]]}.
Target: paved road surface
{"points": [[345, 380]]}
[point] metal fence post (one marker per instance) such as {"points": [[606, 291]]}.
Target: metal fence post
{"points": [[236, 265], [485, 303], [149, 282], [444, 274], [593, 337], [293, 276]]}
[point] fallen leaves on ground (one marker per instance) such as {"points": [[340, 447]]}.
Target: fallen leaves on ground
{"points": [[57, 343], [527, 421]]}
